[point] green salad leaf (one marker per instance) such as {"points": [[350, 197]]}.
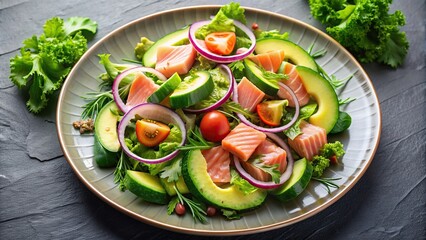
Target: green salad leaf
{"points": [[45, 61]]}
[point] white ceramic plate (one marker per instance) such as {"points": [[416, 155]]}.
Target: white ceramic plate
{"points": [[360, 141]]}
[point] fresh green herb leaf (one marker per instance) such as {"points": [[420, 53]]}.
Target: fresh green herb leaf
{"points": [[230, 214], [305, 112], [328, 182], [241, 183], [196, 141], [275, 77], [172, 205], [123, 165], [96, 101], [269, 169], [232, 107], [173, 170], [319, 164], [237, 69], [270, 34], [198, 213], [343, 122], [346, 101]]}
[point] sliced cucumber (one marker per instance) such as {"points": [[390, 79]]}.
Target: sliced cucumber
{"points": [[302, 173], [106, 127], [293, 52], [255, 75], [194, 172], [165, 89], [325, 96], [169, 186], [192, 89], [103, 157], [146, 186], [176, 38]]}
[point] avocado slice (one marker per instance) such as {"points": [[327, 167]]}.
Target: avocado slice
{"points": [[321, 90], [106, 127], [198, 181], [293, 53]]}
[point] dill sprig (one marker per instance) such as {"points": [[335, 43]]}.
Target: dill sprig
{"points": [[327, 182], [123, 165]]}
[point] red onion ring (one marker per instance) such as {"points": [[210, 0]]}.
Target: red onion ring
{"points": [[155, 112], [224, 98], [115, 85], [272, 130], [215, 57], [268, 185]]}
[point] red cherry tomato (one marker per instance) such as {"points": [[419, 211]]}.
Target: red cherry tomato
{"points": [[214, 126], [151, 133], [221, 43]]}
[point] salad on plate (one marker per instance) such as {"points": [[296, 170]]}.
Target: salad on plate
{"points": [[216, 117]]}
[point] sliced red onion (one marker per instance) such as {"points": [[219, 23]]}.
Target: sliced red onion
{"points": [[268, 185], [275, 129], [154, 112], [115, 85], [219, 58], [231, 80]]}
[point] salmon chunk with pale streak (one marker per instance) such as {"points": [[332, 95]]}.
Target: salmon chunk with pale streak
{"points": [[242, 141], [270, 61], [218, 162], [309, 143], [270, 154], [249, 95], [294, 83], [142, 87], [175, 59]]}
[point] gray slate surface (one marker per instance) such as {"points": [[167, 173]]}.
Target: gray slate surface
{"points": [[41, 198]]}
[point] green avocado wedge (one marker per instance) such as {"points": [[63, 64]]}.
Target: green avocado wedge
{"points": [[321, 90], [106, 127], [198, 181]]}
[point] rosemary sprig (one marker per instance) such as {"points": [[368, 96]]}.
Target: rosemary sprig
{"points": [[123, 165], [97, 101], [328, 182], [196, 209]]}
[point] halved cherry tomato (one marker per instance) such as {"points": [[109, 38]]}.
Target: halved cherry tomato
{"points": [[151, 133], [214, 126], [221, 43], [271, 112]]}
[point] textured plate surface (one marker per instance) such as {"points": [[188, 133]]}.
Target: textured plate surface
{"points": [[360, 141]]}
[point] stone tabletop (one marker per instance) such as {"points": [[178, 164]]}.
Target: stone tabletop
{"points": [[42, 198]]}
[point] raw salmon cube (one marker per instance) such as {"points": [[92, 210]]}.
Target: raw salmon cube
{"points": [[270, 154], [242, 141], [312, 139], [175, 59], [294, 83], [249, 95], [270, 61]]}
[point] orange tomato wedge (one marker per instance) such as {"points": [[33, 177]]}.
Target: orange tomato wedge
{"points": [[221, 43], [151, 133]]}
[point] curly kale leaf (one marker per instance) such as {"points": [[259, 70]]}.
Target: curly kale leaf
{"points": [[365, 28]]}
